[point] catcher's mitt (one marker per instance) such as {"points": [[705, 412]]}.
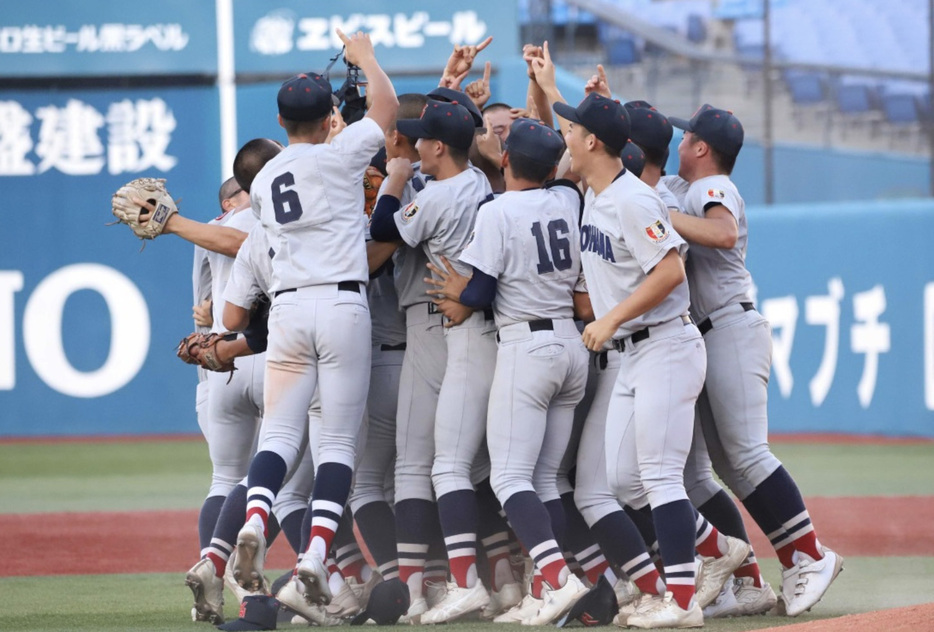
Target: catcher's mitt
{"points": [[144, 205], [372, 180], [201, 349]]}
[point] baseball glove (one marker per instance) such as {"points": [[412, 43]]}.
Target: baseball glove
{"points": [[144, 205], [372, 180], [201, 349]]}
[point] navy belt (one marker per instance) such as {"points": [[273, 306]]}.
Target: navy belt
{"points": [[398, 347], [544, 324], [433, 309], [343, 286], [642, 334], [705, 325]]}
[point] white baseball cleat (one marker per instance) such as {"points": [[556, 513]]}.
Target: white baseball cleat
{"points": [[715, 571], [362, 591], [251, 555], [626, 592], [345, 603], [725, 605], [501, 600], [314, 575], [557, 601], [435, 592], [641, 602], [805, 583], [666, 613], [292, 596], [525, 609], [208, 590], [236, 588], [457, 602], [753, 600], [413, 615]]}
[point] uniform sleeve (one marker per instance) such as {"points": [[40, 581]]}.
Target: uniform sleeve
{"points": [[419, 220], [723, 196], [647, 231], [242, 288], [487, 243], [357, 144], [201, 276]]}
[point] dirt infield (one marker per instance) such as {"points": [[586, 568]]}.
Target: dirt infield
{"points": [[909, 619], [166, 541]]}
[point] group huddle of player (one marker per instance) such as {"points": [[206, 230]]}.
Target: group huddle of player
{"points": [[515, 373]]}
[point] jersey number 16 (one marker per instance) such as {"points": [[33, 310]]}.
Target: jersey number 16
{"points": [[560, 246]]}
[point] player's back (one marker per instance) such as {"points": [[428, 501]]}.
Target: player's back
{"points": [[310, 200], [530, 241]]}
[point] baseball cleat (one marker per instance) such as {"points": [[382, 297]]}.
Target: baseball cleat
{"points": [[805, 583], [525, 609], [753, 600], [251, 555], [313, 574], [292, 596], [435, 592], [457, 602], [715, 571], [626, 592], [345, 603], [413, 615], [557, 601], [208, 590], [665, 612], [725, 605], [502, 600], [362, 591], [236, 588]]}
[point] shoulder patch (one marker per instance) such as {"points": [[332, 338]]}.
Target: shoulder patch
{"points": [[409, 212], [656, 232], [716, 194]]}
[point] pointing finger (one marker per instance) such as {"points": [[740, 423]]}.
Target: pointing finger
{"points": [[486, 73], [484, 43]]}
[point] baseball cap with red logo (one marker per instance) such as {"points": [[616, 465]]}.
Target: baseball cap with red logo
{"points": [[305, 97], [718, 128], [535, 140], [450, 123], [257, 612], [597, 607], [604, 118]]}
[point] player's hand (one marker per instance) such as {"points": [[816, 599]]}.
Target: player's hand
{"points": [[479, 90], [451, 284], [544, 70], [337, 124], [460, 62], [454, 313], [515, 113], [489, 144], [202, 314], [358, 49], [530, 52], [400, 169], [599, 84], [597, 333]]}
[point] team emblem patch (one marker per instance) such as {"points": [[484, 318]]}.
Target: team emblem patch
{"points": [[656, 232], [717, 194], [409, 212]]}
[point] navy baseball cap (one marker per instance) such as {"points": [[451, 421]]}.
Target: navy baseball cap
{"points": [[597, 607], [633, 158], [603, 117], [257, 612], [535, 140], [648, 127], [305, 97], [451, 95], [388, 601], [450, 123], [718, 128]]}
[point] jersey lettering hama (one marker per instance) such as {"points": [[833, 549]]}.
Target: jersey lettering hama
{"points": [[252, 270], [625, 232], [221, 265], [410, 262], [442, 215], [530, 242], [309, 199], [717, 277]]}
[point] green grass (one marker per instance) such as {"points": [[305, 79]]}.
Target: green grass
{"points": [[160, 602], [175, 474]]}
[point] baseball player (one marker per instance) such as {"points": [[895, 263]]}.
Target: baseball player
{"points": [[308, 199], [738, 343], [525, 255], [440, 220]]}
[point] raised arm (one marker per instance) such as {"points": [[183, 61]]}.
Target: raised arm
{"points": [[383, 103]]}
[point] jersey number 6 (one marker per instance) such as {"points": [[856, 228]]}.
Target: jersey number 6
{"points": [[285, 201], [560, 246]]}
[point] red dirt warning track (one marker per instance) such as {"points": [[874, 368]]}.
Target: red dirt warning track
{"points": [[166, 541]]}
